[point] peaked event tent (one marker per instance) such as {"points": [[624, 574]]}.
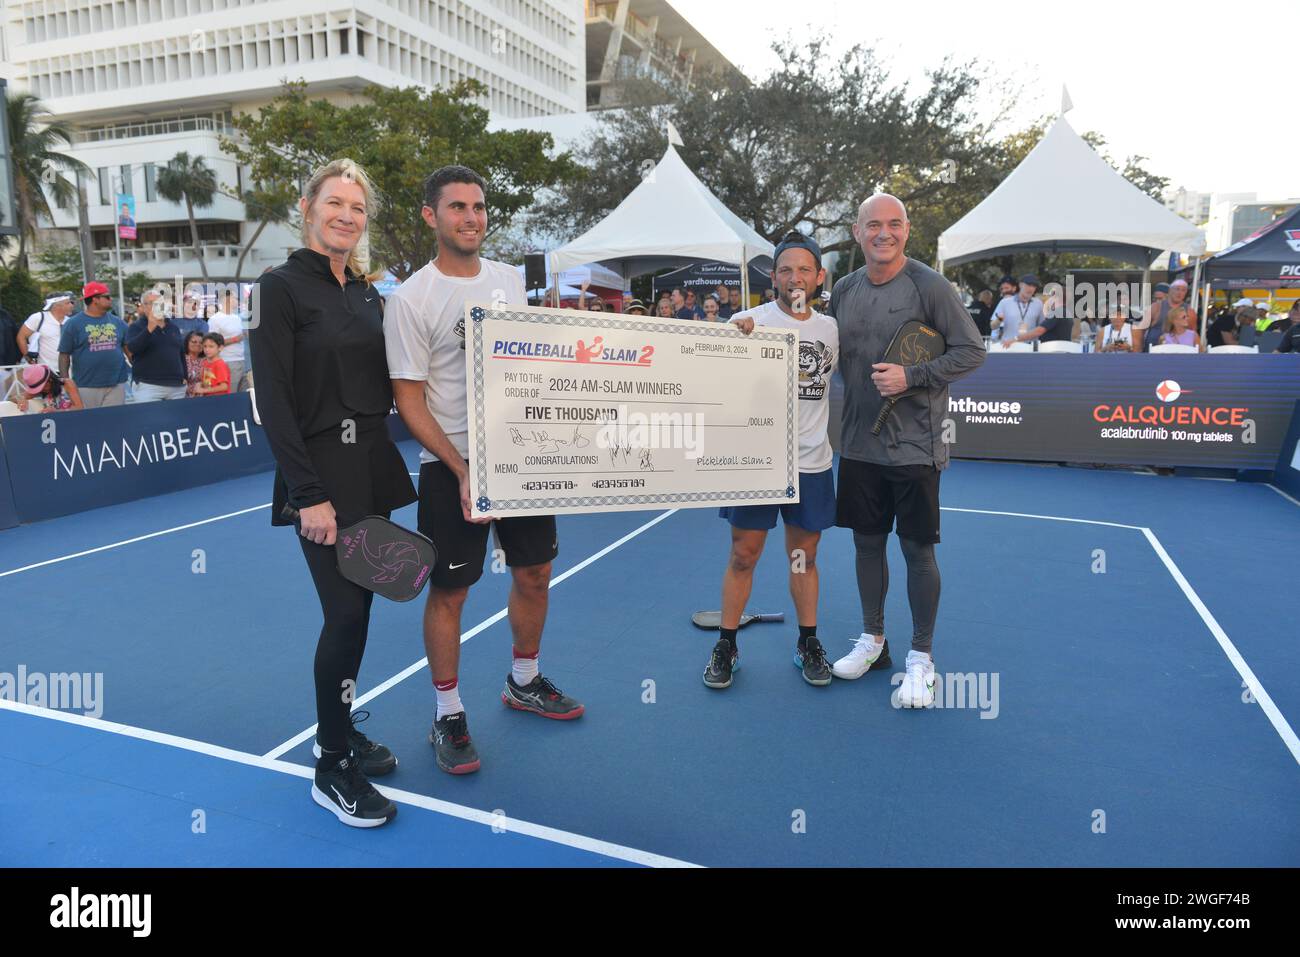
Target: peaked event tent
{"points": [[670, 219], [1064, 198], [1269, 259]]}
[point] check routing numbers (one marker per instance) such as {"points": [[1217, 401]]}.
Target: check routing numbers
{"points": [[576, 410]]}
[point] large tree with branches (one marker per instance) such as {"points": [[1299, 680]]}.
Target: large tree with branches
{"points": [[398, 136]]}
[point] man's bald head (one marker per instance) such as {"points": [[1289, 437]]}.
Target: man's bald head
{"points": [[882, 205], [882, 230]]}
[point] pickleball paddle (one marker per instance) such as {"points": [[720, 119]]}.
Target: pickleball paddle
{"points": [[712, 620], [914, 342], [381, 556]]}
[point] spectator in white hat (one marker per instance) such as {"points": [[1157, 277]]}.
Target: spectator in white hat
{"points": [[38, 339]]}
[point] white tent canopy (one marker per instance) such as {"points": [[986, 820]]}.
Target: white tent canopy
{"points": [[670, 219], [1064, 198]]}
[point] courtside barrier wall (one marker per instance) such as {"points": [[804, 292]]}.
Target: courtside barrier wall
{"points": [[52, 465], [1209, 411], [1225, 411], [74, 461], [1287, 474], [8, 514]]}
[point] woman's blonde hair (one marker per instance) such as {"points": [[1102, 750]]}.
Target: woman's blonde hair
{"points": [[359, 258], [1169, 318]]}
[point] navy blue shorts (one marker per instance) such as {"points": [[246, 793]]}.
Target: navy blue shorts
{"points": [[814, 512]]}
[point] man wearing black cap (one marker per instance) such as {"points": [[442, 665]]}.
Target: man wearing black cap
{"points": [[797, 274], [895, 475], [1018, 316]]}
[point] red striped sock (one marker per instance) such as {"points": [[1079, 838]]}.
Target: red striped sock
{"points": [[524, 668], [448, 693]]}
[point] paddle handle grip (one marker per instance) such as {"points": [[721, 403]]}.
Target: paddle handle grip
{"points": [[289, 513], [885, 409]]}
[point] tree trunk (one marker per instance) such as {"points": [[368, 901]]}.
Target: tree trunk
{"points": [[194, 235], [26, 222], [83, 230], [239, 266]]}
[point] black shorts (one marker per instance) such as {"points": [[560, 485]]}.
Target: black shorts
{"points": [[870, 496], [462, 545]]}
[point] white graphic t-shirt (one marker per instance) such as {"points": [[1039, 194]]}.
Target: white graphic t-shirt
{"points": [[424, 335], [819, 351], [229, 325]]}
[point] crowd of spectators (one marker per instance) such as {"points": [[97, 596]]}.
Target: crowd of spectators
{"points": [[1020, 314], [717, 305], [78, 352]]}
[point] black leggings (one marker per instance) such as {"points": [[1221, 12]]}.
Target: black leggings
{"points": [[922, 586], [346, 608]]}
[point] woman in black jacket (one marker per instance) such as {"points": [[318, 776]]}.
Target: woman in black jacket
{"points": [[324, 395]]}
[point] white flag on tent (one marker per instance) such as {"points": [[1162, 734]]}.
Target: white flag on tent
{"points": [[674, 138], [1066, 103]]}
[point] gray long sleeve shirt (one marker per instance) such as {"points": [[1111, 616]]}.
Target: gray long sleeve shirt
{"points": [[868, 315]]}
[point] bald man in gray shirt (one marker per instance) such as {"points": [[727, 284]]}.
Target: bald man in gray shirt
{"points": [[895, 475]]}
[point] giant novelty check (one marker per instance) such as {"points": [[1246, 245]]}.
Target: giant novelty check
{"points": [[588, 412]]}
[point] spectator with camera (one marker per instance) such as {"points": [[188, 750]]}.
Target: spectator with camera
{"points": [[1117, 335], [157, 363]]}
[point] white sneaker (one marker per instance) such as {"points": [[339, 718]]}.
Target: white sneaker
{"points": [[865, 655], [917, 689]]}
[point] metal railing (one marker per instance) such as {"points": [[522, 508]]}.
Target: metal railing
{"points": [[124, 131], [149, 255]]}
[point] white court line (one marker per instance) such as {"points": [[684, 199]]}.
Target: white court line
{"points": [[513, 825], [411, 669], [132, 541], [1283, 494], [1275, 717], [1050, 518]]}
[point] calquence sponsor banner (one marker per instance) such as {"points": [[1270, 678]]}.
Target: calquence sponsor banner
{"points": [[72, 461], [1213, 411]]}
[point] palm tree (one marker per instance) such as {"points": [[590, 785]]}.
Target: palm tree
{"points": [[267, 205], [189, 180], [34, 142]]}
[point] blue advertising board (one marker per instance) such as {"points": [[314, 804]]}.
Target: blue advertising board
{"points": [[1212, 411], [73, 461]]}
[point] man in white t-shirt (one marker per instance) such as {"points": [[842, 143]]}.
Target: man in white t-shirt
{"points": [[44, 328], [231, 326], [424, 333], [797, 275]]}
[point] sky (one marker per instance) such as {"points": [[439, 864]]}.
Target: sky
{"points": [[1178, 83]]}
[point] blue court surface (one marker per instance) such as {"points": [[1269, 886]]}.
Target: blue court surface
{"points": [[1117, 650]]}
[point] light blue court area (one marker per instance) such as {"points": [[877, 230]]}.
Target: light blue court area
{"points": [[1113, 696]]}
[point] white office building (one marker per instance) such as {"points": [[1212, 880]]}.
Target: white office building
{"points": [[142, 81]]}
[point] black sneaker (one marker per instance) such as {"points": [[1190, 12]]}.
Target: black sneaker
{"points": [[346, 791], [452, 746], [811, 660], [541, 697], [724, 660], [375, 759]]}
